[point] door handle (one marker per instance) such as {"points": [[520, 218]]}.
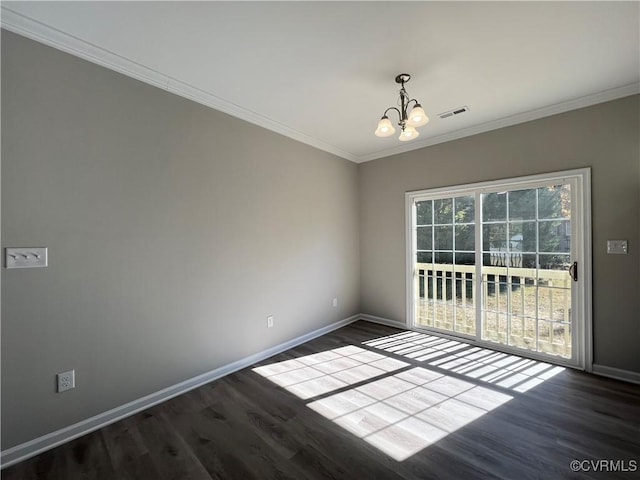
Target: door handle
{"points": [[573, 271]]}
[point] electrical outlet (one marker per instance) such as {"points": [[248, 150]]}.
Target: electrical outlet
{"points": [[335, 302], [66, 380], [270, 321]]}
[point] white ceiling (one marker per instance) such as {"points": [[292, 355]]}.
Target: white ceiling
{"points": [[323, 72]]}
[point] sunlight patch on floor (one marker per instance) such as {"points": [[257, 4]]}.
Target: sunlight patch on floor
{"points": [[400, 413], [408, 411], [402, 410], [325, 372], [502, 369]]}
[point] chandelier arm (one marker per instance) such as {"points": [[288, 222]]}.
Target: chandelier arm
{"points": [[393, 108]]}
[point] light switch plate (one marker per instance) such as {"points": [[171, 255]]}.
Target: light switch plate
{"points": [[618, 247], [25, 257]]}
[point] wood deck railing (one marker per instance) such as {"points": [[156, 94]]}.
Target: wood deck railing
{"points": [[525, 307]]}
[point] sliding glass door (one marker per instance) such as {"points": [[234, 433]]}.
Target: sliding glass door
{"points": [[498, 263]]}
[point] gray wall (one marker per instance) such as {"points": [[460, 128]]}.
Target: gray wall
{"points": [[173, 231], [604, 137]]}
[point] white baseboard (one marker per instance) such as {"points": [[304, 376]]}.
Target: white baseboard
{"points": [[383, 321], [617, 373], [46, 442]]}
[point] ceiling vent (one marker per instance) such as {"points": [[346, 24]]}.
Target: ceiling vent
{"points": [[454, 112]]}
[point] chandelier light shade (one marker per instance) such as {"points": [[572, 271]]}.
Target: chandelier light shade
{"points": [[417, 117], [385, 129], [408, 133], [407, 122]]}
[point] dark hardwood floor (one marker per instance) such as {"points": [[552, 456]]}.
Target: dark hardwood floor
{"points": [[393, 405]]}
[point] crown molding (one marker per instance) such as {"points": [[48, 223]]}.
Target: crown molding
{"points": [[523, 117], [30, 28]]}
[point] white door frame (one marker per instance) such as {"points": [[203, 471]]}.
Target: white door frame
{"points": [[580, 251]]}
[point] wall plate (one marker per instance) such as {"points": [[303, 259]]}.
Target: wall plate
{"points": [[25, 257], [618, 247]]}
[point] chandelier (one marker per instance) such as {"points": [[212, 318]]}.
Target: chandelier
{"points": [[408, 123]]}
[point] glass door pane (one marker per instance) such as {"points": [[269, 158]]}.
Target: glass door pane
{"points": [[444, 264], [526, 251]]}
